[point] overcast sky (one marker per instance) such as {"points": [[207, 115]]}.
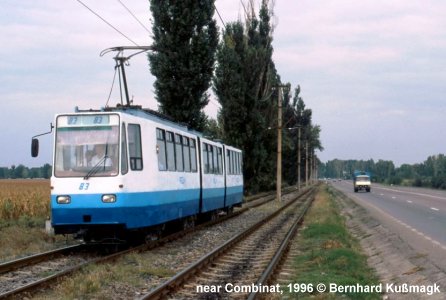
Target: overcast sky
{"points": [[373, 72]]}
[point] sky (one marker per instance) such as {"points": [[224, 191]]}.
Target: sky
{"points": [[372, 71]]}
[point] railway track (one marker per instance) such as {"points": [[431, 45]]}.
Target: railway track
{"points": [[242, 266], [25, 275], [34, 259]]}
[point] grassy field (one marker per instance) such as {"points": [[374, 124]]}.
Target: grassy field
{"points": [[24, 198], [24, 207], [329, 254]]}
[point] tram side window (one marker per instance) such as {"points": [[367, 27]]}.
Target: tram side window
{"points": [[220, 160], [205, 158], [211, 159], [161, 149], [237, 169], [135, 149], [124, 163], [193, 156], [228, 162], [234, 165], [170, 147], [186, 152], [233, 162], [215, 159], [179, 152]]}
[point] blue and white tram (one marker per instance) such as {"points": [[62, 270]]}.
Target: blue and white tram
{"points": [[126, 170]]}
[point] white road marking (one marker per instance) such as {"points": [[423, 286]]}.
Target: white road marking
{"points": [[428, 238], [434, 208], [408, 201], [407, 192]]}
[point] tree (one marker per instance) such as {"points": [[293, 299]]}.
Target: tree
{"points": [[405, 171], [383, 170], [212, 130], [20, 171], [299, 118], [4, 172], [185, 39], [229, 84], [243, 82], [46, 171]]}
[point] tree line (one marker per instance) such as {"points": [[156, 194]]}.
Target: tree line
{"points": [[192, 57], [20, 171], [431, 173]]}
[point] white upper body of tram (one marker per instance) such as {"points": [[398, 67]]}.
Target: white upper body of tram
{"points": [[133, 169]]}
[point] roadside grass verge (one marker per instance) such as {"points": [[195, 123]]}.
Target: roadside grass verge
{"points": [[329, 254]]}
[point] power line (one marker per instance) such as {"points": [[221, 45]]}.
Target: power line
{"points": [[218, 13], [133, 15], [106, 22]]}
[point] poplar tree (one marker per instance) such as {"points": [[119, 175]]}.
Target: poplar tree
{"points": [[243, 82], [230, 86], [185, 37]]}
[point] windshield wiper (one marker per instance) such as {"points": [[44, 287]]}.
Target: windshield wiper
{"points": [[96, 167]]}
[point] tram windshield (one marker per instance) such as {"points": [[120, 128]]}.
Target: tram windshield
{"points": [[86, 146]]}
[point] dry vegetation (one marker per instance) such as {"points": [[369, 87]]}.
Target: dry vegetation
{"points": [[24, 207], [24, 197]]}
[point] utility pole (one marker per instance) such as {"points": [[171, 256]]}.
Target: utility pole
{"points": [[279, 145], [306, 163], [279, 148], [298, 157], [315, 168]]}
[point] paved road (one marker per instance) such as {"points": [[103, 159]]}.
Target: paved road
{"points": [[418, 215]]}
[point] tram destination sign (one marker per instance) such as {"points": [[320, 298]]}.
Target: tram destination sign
{"points": [[87, 120]]}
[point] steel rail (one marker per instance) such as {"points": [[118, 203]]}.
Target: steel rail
{"points": [[9, 266], [52, 278], [36, 258], [283, 248], [167, 287], [247, 206]]}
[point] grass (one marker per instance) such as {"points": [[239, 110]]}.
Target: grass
{"points": [[329, 254], [24, 207], [24, 197], [128, 275]]}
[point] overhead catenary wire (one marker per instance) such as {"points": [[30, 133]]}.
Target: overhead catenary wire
{"points": [[212, 101], [106, 22], [134, 16], [218, 13]]}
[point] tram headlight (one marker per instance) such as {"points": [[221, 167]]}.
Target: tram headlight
{"points": [[109, 198], [63, 199]]}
